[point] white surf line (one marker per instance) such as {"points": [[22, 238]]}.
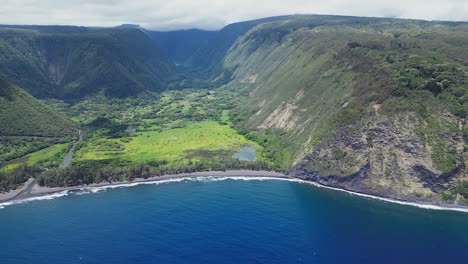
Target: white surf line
{"points": [[88, 190], [423, 206], [36, 198]]}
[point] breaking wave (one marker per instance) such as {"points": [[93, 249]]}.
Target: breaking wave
{"points": [[91, 190]]}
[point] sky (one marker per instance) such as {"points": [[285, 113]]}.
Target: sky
{"points": [[213, 14]]}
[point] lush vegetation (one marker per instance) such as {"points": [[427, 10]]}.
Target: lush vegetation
{"points": [[173, 128], [171, 132], [46, 158], [23, 115], [416, 65], [335, 70], [16, 147], [180, 45], [462, 189], [313, 84], [90, 173], [176, 145], [14, 178], [73, 62], [341, 88], [31, 133]]}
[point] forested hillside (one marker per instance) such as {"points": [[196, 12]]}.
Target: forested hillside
{"points": [[23, 115], [75, 62], [372, 105], [31, 133], [180, 45]]}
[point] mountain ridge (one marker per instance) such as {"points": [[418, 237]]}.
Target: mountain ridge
{"points": [[328, 96], [73, 62]]}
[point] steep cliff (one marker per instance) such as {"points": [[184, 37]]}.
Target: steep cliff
{"points": [[371, 105]]}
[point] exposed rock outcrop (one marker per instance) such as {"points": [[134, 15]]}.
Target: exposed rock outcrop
{"points": [[396, 157]]}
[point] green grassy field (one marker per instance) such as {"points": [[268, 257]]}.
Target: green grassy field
{"points": [[53, 154], [173, 145]]}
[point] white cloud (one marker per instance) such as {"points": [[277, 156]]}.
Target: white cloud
{"points": [[213, 14]]}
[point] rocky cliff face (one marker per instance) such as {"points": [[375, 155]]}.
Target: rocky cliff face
{"points": [[402, 157]]}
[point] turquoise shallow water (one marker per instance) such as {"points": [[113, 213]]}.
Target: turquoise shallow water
{"points": [[230, 221]]}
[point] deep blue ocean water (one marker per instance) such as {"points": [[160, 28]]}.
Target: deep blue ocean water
{"points": [[231, 221]]}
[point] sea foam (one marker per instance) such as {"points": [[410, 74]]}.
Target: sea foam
{"points": [[92, 190], [37, 198]]}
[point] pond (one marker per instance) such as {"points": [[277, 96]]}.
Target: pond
{"points": [[247, 153]]}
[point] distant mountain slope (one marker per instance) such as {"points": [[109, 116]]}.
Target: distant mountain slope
{"points": [[367, 104], [74, 62], [207, 60], [180, 45], [23, 115]]}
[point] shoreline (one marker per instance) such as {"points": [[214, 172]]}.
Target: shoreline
{"points": [[32, 191]]}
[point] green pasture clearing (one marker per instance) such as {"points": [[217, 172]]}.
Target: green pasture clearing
{"points": [[50, 154], [173, 145]]}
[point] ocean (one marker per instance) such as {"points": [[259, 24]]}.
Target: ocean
{"points": [[228, 221]]}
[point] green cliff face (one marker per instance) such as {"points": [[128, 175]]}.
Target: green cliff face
{"points": [[180, 45], [372, 105]]}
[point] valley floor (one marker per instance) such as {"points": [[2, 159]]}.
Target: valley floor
{"points": [[175, 128]]}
